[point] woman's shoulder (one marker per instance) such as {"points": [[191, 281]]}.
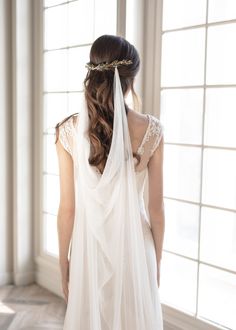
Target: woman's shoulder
{"points": [[146, 121], [156, 125], [73, 118], [66, 124], [153, 134], [138, 123]]}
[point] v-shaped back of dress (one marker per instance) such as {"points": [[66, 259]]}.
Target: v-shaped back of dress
{"points": [[147, 147], [149, 143]]}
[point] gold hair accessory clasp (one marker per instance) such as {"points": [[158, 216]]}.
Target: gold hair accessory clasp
{"points": [[107, 66]]}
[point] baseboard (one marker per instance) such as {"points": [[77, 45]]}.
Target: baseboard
{"points": [[17, 278], [24, 278], [6, 278], [48, 276]]}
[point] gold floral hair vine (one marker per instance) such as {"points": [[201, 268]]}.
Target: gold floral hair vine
{"points": [[107, 66]]}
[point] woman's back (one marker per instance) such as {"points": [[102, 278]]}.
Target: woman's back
{"points": [[145, 132]]}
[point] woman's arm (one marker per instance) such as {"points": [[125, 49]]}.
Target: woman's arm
{"points": [[66, 211], [156, 203]]}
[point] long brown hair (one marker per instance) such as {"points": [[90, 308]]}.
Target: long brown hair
{"points": [[99, 92], [98, 88]]}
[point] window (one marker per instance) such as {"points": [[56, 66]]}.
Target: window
{"points": [[198, 101], [70, 27]]}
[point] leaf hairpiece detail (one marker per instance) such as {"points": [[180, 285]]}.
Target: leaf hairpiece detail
{"points": [[107, 66]]}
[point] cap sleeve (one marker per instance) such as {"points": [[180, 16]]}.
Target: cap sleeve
{"points": [[64, 131], [150, 141], [157, 130]]}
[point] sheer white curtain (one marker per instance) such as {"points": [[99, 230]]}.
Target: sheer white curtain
{"points": [[16, 97]]}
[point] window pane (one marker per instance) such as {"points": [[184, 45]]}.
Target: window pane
{"points": [[219, 178], [80, 22], [72, 25], [50, 157], [183, 58], [181, 229], [181, 113], [55, 71], [55, 109], [105, 17], [218, 237], [74, 102], [58, 106], [182, 172], [221, 54], [178, 282], [50, 236], [221, 10], [78, 57], [56, 23], [177, 14], [220, 117], [51, 194], [217, 296]]}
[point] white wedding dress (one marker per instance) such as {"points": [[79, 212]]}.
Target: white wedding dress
{"points": [[113, 269]]}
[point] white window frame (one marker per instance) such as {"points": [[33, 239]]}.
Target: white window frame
{"points": [[176, 318]]}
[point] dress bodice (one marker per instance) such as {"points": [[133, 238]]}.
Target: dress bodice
{"points": [[150, 141], [67, 129]]}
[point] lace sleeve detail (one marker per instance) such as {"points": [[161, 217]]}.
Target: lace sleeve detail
{"points": [[65, 135], [157, 130], [152, 136], [150, 142]]}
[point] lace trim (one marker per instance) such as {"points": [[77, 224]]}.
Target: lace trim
{"points": [[158, 133], [154, 129], [66, 131]]}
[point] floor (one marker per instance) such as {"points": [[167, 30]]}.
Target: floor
{"points": [[32, 307]]}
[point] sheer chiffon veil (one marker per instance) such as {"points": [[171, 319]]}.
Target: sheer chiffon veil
{"points": [[109, 284]]}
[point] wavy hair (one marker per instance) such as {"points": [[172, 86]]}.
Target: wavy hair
{"points": [[99, 92], [98, 88]]}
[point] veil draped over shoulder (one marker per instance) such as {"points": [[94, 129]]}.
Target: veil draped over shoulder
{"points": [[109, 285]]}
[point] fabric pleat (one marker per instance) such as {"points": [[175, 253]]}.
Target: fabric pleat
{"points": [[109, 283]]}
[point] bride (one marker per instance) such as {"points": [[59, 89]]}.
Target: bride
{"points": [[110, 246]]}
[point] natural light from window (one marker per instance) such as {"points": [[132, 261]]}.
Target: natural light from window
{"points": [[70, 27], [198, 102]]}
